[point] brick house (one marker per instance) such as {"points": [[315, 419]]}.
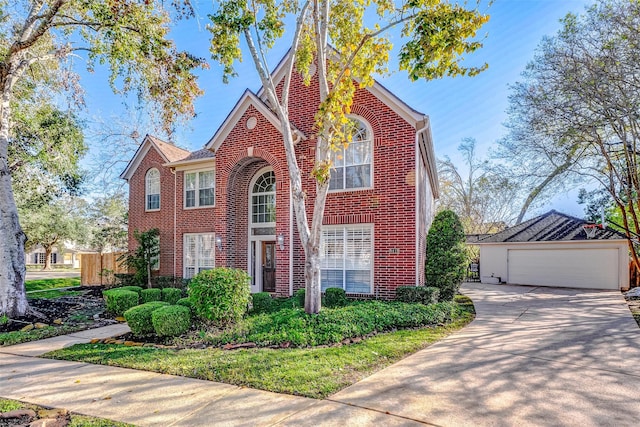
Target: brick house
{"points": [[228, 204]]}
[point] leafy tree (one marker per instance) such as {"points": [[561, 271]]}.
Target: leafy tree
{"points": [[108, 218], [55, 224], [37, 38], [446, 258], [484, 196], [345, 52], [145, 257], [581, 100]]}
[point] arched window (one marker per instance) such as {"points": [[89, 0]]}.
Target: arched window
{"points": [[352, 164], [152, 185], [263, 199]]}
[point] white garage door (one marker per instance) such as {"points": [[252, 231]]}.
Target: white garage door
{"points": [[574, 268]]}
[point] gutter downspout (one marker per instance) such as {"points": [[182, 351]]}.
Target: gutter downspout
{"points": [[175, 215]]}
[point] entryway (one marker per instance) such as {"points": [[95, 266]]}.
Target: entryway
{"points": [[262, 231]]}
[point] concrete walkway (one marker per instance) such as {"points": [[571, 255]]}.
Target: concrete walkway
{"points": [[533, 356]]}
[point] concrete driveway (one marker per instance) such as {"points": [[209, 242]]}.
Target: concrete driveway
{"points": [[533, 356]]}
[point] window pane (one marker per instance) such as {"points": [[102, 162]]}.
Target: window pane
{"points": [[153, 201], [189, 272], [358, 153], [190, 181], [206, 179], [206, 251], [331, 279], [358, 176], [337, 179], [358, 254], [206, 197], [358, 281], [190, 198], [332, 249]]}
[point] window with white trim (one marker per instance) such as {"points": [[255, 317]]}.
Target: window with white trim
{"points": [[263, 200], [152, 190], [346, 258], [199, 253], [199, 189], [352, 164]]}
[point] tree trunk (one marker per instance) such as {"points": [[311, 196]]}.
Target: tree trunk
{"points": [[13, 299], [313, 291], [47, 257]]}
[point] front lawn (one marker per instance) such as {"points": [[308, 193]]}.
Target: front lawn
{"points": [[51, 288], [309, 371]]}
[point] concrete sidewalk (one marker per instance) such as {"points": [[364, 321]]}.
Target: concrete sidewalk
{"points": [[533, 356]]}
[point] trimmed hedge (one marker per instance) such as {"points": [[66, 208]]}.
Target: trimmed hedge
{"points": [[118, 300], [185, 302], [421, 294], [171, 321], [335, 297], [171, 295], [136, 289], [331, 326], [139, 317], [220, 295], [148, 295], [262, 302]]}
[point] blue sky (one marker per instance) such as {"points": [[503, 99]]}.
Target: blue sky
{"points": [[459, 107]]}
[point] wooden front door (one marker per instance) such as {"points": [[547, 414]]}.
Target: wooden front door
{"points": [[268, 266]]}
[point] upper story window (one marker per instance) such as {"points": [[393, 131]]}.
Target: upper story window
{"points": [[199, 189], [263, 199], [352, 165], [152, 185]]}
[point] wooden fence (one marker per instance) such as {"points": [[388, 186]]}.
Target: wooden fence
{"points": [[97, 269]]}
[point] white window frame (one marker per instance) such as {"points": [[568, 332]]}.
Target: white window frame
{"points": [[198, 263], [342, 153], [345, 228], [147, 189], [252, 184], [197, 189]]}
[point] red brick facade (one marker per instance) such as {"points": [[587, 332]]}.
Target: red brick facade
{"points": [[244, 148]]}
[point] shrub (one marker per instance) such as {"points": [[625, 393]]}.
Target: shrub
{"points": [[185, 302], [421, 294], [125, 279], [118, 301], [168, 282], [330, 326], [148, 295], [299, 297], [335, 297], [139, 317], [446, 260], [171, 295], [262, 302], [171, 321], [220, 295], [136, 289]]}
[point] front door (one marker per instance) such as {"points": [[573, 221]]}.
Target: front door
{"points": [[268, 266]]}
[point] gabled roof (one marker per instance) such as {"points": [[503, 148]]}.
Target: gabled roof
{"points": [[552, 226], [247, 99], [168, 152], [199, 156], [410, 115]]}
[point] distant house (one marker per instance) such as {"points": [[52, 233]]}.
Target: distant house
{"points": [[59, 257], [554, 249], [229, 203]]}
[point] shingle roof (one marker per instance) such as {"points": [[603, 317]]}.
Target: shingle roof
{"points": [[200, 154], [171, 152], [552, 226]]}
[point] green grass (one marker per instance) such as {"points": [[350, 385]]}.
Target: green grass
{"points": [[7, 405], [18, 337], [44, 284], [314, 372]]}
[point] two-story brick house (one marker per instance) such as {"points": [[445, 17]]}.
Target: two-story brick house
{"points": [[229, 204]]}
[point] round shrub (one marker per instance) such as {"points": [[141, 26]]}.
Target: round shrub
{"points": [[139, 317], [421, 294], [118, 301], [171, 321], [335, 297], [185, 302], [446, 259], [262, 302], [148, 295], [171, 295], [220, 295], [136, 289]]}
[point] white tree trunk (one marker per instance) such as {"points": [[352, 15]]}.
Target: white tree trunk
{"points": [[13, 299]]}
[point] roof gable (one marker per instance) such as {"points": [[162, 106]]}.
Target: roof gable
{"points": [[168, 152], [552, 226], [397, 105], [247, 99]]}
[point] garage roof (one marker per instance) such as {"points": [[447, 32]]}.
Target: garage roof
{"points": [[552, 226]]}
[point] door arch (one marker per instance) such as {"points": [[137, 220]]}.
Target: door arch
{"points": [[262, 230]]}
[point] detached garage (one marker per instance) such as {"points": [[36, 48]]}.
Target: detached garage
{"points": [[554, 250]]}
